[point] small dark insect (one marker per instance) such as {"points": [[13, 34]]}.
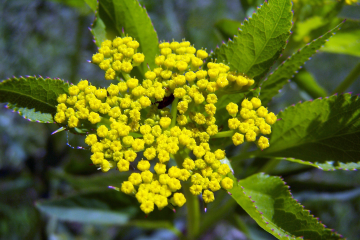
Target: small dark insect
{"points": [[166, 101]]}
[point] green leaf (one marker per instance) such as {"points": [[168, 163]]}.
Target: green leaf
{"points": [[227, 27], [33, 97], [260, 40], [105, 207], [318, 131], [277, 79], [303, 29], [326, 166], [115, 17], [344, 43], [269, 202]]}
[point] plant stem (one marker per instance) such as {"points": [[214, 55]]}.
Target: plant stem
{"points": [[348, 80], [126, 76], [192, 203], [173, 112], [224, 134]]}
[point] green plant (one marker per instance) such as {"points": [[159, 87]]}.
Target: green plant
{"points": [[241, 65]]}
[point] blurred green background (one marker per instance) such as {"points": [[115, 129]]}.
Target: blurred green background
{"points": [[51, 39]]}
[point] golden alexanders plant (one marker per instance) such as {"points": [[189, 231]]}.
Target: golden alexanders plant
{"points": [[169, 104], [130, 117]]}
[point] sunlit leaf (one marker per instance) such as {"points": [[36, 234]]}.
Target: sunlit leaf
{"points": [[260, 40]]}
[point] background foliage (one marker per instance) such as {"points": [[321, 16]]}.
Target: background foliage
{"points": [[51, 38]]}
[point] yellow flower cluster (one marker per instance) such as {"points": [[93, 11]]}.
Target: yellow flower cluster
{"points": [[131, 117], [250, 121], [118, 56]]}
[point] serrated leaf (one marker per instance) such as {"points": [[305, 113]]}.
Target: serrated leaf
{"points": [[33, 97], [269, 202], [318, 131], [105, 207], [260, 40], [276, 80], [344, 43], [113, 17], [31, 115], [326, 166]]}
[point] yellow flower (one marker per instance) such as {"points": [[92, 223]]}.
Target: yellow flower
{"points": [[179, 199]]}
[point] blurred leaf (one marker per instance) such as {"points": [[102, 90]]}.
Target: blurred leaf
{"points": [[279, 77], [304, 28], [80, 5], [146, 224], [318, 131], [105, 207], [344, 43], [101, 180], [269, 202], [306, 81], [260, 40], [114, 18], [33, 97], [228, 28]]}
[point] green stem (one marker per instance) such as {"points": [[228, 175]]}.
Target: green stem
{"points": [[173, 112], [224, 134], [348, 80], [192, 203], [126, 76]]}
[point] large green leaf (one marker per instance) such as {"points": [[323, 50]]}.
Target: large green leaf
{"points": [[269, 202], [260, 40], [114, 17], [33, 97], [318, 131], [276, 80]]}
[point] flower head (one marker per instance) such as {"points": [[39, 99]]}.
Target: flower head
{"points": [[131, 117]]}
